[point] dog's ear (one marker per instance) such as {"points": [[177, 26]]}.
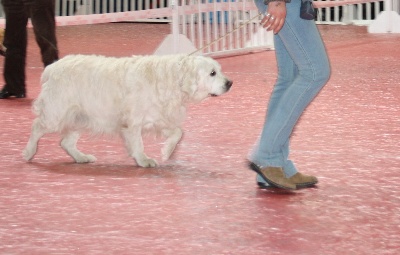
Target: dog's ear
{"points": [[188, 75]]}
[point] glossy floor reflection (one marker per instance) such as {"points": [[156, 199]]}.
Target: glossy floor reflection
{"points": [[205, 200]]}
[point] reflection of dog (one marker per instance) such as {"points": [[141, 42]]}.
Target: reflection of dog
{"points": [[127, 96], [2, 47]]}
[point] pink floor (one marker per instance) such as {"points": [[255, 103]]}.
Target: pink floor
{"points": [[205, 200]]}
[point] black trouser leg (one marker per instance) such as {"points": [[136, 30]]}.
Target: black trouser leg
{"points": [[15, 40], [43, 20]]}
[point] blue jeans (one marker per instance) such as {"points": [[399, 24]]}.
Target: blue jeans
{"points": [[303, 69]]}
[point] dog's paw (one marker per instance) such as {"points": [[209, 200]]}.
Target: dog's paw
{"points": [[85, 159], [28, 154], [147, 163]]}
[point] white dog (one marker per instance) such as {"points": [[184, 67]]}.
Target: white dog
{"points": [[126, 96]]}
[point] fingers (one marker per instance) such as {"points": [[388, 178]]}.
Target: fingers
{"points": [[272, 23]]}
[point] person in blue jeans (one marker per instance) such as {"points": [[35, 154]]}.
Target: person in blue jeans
{"points": [[303, 69]]}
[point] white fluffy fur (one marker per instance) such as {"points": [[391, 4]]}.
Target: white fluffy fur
{"points": [[125, 96]]}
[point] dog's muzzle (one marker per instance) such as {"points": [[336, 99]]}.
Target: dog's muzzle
{"points": [[227, 87]]}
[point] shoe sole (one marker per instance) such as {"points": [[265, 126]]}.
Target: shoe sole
{"points": [[13, 96], [256, 169], [306, 185]]}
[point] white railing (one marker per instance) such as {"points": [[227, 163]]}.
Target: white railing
{"points": [[86, 7], [194, 24], [339, 13], [360, 12], [382, 16], [212, 27], [221, 26], [387, 21], [357, 13]]}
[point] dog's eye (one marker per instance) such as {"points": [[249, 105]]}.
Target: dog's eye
{"points": [[213, 73]]}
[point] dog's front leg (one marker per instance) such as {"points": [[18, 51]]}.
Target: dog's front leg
{"points": [[134, 144], [173, 137]]}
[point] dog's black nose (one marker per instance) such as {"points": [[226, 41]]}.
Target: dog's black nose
{"points": [[228, 84]]}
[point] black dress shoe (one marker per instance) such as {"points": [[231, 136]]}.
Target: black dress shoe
{"points": [[4, 94]]}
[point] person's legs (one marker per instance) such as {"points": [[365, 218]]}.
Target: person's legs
{"points": [[15, 40], [303, 70], [43, 20], [286, 76]]}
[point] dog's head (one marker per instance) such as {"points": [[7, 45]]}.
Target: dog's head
{"points": [[203, 77]]}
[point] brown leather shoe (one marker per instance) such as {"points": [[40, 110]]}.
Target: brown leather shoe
{"points": [[303, 181], [276, 177]]}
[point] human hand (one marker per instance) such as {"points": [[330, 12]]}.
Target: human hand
{"points": [[274, 19]]}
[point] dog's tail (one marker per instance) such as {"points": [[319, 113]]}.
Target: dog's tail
{"points": [[38, 102]]}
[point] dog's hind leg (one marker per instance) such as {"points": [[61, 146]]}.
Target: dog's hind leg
{"points": [[37, 132], [134, 144], [68, 143], [173, 137]]}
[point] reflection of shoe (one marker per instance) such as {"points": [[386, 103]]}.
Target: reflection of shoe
{"points": [[303, 181], [274, 176], [4, 94]]}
